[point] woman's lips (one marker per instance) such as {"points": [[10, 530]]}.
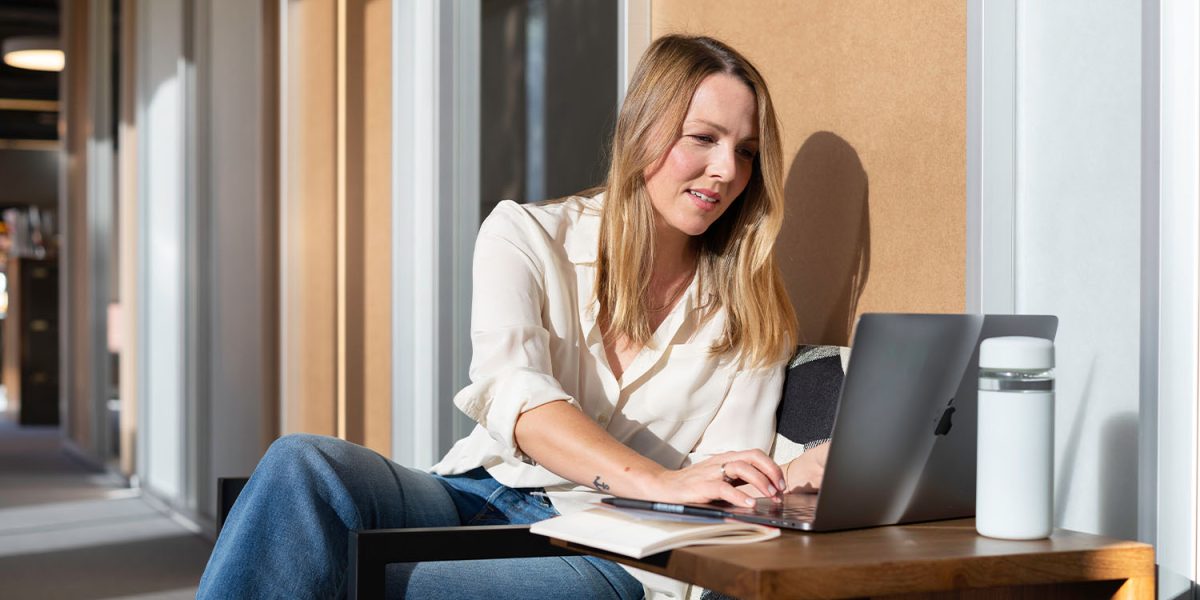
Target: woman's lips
{"points": [[705, 200]]}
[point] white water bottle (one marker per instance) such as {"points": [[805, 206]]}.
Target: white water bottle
{"points": [[1014, 491]]}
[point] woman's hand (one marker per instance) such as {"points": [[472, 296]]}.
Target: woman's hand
{"points": [[568, 443], [717, 478], [805, 472]]}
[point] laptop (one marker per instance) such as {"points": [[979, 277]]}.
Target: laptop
{"points": [[903, 443]]}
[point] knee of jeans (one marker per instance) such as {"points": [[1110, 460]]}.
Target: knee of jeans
{"points": [[295, 447]]}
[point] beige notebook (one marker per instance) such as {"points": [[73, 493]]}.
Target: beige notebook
{"points": [[642, 533]]}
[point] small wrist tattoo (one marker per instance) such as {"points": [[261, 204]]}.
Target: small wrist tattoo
{"points": [[600, 485]]}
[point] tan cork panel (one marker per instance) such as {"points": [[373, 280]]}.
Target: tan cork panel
{"points": [[872, 99]]}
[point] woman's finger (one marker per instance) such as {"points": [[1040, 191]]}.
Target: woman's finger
{"points": [[735, 496], [726, 475], [762, 463], [749, 473]]}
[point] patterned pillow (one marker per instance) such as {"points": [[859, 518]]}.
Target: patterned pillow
{"points": [[809, 404]]}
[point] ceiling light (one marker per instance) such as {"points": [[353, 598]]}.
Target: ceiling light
{"points": [[33, 52]]}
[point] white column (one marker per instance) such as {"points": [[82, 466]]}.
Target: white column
{"points": [[1177, 82], [242, 305], [991, 154], [435, 218], [633, 36], [161, 117]]}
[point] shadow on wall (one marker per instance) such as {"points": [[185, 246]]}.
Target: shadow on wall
{"points": [[1115, 502], [1119, 457], [1064, 472], [824, 249]]}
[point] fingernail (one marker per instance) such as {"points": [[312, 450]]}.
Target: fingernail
{"points": [[749, 501], [771, 490], [782, 485]]}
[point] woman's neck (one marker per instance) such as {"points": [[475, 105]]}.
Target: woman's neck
{"points": [[674, 255]]}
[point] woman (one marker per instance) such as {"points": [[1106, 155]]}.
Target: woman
{"points": [[630, 342]]}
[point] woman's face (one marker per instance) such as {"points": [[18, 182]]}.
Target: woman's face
{"points": [[707, 168]]}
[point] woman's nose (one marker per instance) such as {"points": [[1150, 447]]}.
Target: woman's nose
{"points": [[723, 163]]}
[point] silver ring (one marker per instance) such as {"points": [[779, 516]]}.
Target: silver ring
{"points": [[725, 476]]}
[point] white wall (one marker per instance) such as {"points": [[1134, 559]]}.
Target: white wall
{"points": [[1077, 240], [1057, 179], [1104, 233]]}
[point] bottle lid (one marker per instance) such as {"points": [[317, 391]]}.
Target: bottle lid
{"points": [[1016, 352]]}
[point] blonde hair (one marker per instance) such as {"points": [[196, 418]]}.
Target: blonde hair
{"points": [[736, 264]]}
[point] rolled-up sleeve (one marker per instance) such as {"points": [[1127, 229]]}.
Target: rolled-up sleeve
{"points": [[511, 370], [746, 418]]}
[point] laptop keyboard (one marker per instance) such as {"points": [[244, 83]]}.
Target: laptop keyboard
{"points": [[794, 513], [793, 509]]}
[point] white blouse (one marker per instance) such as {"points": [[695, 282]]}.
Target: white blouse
{"points": [[535, 340]]}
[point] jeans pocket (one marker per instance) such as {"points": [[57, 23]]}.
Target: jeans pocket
{"points": [[509, 506], [524, 508]]}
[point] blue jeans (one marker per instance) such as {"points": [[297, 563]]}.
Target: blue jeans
{"points": [[287, 534]]}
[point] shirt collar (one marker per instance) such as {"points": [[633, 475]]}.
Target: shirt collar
{"points": [[582, 248], [666, 334]]}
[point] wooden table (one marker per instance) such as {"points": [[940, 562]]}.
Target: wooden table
{"points": [[944, 559]]}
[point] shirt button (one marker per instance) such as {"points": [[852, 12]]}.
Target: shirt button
{"points": [[602, 419]]}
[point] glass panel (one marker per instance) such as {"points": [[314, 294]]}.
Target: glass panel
{"points": [[549, 95]]}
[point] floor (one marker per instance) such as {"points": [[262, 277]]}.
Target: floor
{"points": [[69, 532]]}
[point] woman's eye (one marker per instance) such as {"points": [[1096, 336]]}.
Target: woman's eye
{"points": [[699, 137], [747, 153]]}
